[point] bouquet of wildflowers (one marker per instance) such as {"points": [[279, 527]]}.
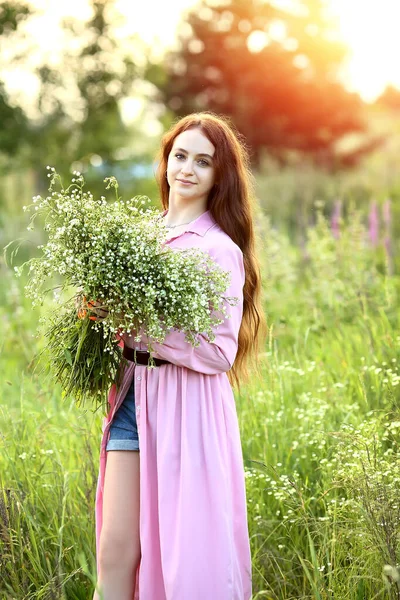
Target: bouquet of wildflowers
{"points": [[114, 253]]}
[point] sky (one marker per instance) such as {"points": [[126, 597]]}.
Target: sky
{"points": [[370, 28]]}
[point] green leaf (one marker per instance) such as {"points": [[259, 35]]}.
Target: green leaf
{"points": [[68, 356]]}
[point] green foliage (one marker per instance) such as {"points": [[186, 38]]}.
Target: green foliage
{"points": [[102, 73], [13, 125], [77, 114], [83, 359], [289, 195], [319, 435], [11, 14], [12, 118], [320, 429], [47, 497]]}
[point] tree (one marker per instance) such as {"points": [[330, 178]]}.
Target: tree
{"points": [[13, 120], [389, 99], [272, 70], [77, 112], [99, 75], [11, 14]]}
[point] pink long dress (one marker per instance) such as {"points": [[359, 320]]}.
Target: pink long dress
{"points": [[193, 517]]}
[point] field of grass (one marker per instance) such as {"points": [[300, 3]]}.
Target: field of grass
{"points": [[320, 429], [320, 433]]}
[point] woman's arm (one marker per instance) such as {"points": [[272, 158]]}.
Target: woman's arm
{"points": [[217, 356]]}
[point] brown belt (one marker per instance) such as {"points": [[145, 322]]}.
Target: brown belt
{"points": [[141, 357]]}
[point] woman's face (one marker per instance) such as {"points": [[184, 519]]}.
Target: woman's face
{"points": [[191, 160]]}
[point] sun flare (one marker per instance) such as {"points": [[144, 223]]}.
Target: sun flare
{"points": [[370, 30]]}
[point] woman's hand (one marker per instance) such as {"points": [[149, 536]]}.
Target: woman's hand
{"points": [[96, 308]]}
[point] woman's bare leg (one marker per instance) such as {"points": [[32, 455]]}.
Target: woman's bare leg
{"points": [[119, 552]]}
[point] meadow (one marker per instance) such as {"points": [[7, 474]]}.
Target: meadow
{"points": [[320, 429]]}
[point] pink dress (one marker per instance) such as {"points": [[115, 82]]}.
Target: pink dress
{"points": [[193, 517]]}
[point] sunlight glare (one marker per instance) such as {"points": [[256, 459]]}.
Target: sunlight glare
{"points": [[368, 28], [371, 30]]}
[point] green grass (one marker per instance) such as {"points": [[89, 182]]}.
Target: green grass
{"points": [[320, 431]]}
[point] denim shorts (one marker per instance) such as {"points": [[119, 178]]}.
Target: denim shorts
{"points": [[123, 429]]}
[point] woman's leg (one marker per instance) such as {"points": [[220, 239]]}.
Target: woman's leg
{"points": [[119, 551]]}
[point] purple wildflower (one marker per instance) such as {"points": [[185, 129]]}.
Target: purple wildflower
{"points": [[335, 220], [373, 224]]}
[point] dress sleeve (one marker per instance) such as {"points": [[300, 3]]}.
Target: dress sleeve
{"points": [[218, 356]]}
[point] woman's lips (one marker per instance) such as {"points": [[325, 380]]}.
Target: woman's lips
{"points": [[185, 182]]}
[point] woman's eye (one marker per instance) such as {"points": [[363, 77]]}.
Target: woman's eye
{"points": [[201, 161]]}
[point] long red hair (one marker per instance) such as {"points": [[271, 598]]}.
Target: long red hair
{"points": [[230, 202]]}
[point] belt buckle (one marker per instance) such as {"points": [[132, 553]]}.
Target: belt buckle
{"points": [[140, 352]]}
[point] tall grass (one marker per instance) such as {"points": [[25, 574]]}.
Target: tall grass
{"points": [[320, 429], [319, 435], [48, 470]]}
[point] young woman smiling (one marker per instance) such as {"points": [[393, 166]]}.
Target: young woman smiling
{"points": [[171, 519]]}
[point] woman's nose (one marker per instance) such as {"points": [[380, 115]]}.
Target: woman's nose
{"points": [[187, 168]]}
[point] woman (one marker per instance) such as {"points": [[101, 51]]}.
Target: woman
{"points": [[171, 521]]}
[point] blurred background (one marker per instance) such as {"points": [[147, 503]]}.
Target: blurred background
{"points": [[313, 85]]}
